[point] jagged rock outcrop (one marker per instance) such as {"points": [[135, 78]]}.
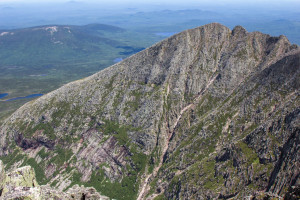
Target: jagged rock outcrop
{"points": [[208, 113], [21, 184]]}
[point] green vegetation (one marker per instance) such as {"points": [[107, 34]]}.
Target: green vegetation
{"points": [[160, 197], [139, 159], [118, 98], [62, 155], [62, 109], [211, 182], [134, 105], [153, 185], [29, 129], [188, 97], [248, 152], [109, 86], [207, 103], [43, 154], [53, 184], [150, 166], [12, 158], [39, 171], [119, 132], [125, 189], [45, 127], [175, 185]]}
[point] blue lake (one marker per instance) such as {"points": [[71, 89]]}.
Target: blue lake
{"points": [[29, 96], [165, 34], [2, 95], [118, 60]]}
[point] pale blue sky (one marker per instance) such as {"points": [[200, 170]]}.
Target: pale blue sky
{"points": [[253, 3], [163, 1]]}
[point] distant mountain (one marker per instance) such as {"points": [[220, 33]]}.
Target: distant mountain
{"points": [[60, 44], [209, 113], [40, 59]]}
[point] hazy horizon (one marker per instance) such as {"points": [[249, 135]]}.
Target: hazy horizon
{"points": [[273, 17], [268, 4]]}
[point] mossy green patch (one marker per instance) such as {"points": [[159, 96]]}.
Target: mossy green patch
{"points": [[126, 189], [207, 103], [12, 158], [139, 159], [62, 156], [134, 104], [212, 182], [160, 197], [39, 171], [54, 183], [249, 153], [175, 185], [43, 154], [116, 130], [153, 185]]}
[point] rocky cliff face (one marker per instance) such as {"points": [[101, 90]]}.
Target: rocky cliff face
{"points": [[21, 184], [208, 113]]}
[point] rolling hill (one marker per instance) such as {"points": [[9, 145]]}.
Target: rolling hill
{"points": [[39, 59]]}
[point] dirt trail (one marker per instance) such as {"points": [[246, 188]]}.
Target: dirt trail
{"points": [[145, 187]]}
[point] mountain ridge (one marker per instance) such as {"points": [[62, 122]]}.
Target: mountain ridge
{"points": [[169, 113]]}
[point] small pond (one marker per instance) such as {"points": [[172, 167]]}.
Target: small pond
{"points": [[2, 95], [26, 97]]}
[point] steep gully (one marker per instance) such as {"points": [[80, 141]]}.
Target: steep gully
{"points": [[145, 187]]}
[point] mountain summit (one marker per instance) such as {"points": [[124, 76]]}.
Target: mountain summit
{"points": [[209, 113]]}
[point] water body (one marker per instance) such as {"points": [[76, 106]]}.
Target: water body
{"points": [[2, 95], [38, 75], [165, 34], [27, 97], [118, 60]]}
